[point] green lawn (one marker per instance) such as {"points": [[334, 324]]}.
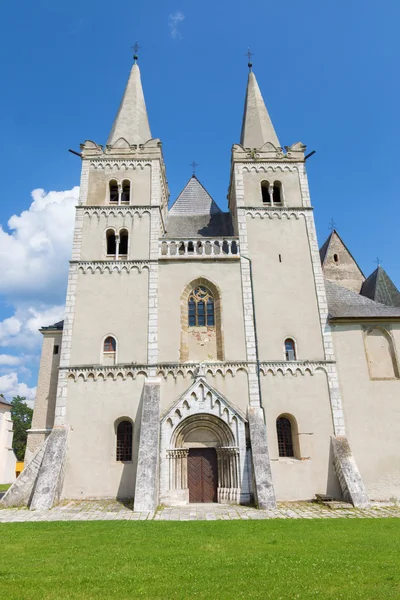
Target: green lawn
{"points": [[338, 558], [4, 486]]}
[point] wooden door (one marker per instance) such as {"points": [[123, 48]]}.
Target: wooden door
{"points": [[202, 475]]}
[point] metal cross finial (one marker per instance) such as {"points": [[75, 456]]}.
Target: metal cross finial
{"points": [[249, 54], [194, 164], [378, 261], [135, 49], [332, 225]]}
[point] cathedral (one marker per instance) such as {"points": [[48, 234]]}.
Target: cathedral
{"points": [[210, 356]]}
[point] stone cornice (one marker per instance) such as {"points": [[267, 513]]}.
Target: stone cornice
{"points": [[271, 212], [131, 371], [109, 210], [117, 266]]}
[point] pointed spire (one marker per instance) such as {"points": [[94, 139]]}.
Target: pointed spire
{"points": [[257, 128], [131, 122]]}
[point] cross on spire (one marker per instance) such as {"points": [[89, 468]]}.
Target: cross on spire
{"points": [[249, 54], [194, 164], [378, 261], [135, 49], [332, 225]]}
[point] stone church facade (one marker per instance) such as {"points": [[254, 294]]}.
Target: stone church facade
{"points": [[211, 356]]}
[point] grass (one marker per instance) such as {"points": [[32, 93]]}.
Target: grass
{"points": [[279, 559], [4, 486]]}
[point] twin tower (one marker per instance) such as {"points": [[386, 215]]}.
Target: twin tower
{"points": [[195, 362]]}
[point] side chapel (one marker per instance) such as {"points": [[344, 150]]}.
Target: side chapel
{"points": [[210, 356]]}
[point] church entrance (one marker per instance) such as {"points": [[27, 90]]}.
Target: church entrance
{"points": [[202, 475]]}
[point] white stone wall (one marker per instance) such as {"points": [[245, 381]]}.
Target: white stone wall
{"points": [[7, 456]]}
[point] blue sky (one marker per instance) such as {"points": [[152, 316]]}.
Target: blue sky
{"points": [[328, 72]]}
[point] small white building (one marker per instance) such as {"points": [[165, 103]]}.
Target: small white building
{"points": [[8, 460]]}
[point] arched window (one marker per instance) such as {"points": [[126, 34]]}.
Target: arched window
{"points": [[113, 191], [290, 349], [123, 243], [381, 355], [124, 441], [266, 198], [111, 243], [335, 258], [109, 350], [285, 439], [126, 192], [201, 308], [277, 192]]}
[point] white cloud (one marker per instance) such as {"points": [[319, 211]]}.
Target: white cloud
{"points": [[10, 387], [8, 360], [34, 256], [22, 329], [174, 20]]}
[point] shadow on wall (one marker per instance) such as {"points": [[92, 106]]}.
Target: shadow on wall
{"points": [[332, 484], [126, 488], [218, 225]]}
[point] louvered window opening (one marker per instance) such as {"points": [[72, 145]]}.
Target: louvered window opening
{"points": [[201, 308], [285, 440], [124, 441]]}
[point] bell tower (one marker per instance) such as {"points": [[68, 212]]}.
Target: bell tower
{"points": [[284, 299]]}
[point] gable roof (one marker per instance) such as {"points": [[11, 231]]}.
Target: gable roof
{"points": [[343, 303], [195, 214], [4, 401], [379, 287], [324, 250], [194, 200]]}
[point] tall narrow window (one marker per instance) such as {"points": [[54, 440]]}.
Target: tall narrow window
{"points": [[123, 243], [111, 243], [113, 191], [277, 192], [335, 258], [290, 349], [109, 350], [266, 198], [124, 441], [285, 439], [126, 192], [201, 308]]}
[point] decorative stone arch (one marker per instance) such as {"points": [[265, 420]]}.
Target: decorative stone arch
{"points": [[203, 418], [215, 291], [380, 352]]}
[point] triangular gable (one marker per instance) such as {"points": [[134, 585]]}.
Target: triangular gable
{"points": [[202, 398], [339, 265]]}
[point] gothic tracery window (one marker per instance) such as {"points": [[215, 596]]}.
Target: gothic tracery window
{"points": [[124, 441], [285, 438], [201, 308]]}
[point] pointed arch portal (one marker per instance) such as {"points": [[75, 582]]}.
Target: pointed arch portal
{"points": [[203, 449]]}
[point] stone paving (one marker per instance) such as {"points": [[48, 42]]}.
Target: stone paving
{"points": [[112, 510]]}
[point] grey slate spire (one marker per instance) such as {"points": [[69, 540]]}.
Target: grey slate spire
{"points": [[131, 122], [257, 128]]}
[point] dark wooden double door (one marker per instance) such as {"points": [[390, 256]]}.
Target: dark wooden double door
{"points": [[202, 475]]}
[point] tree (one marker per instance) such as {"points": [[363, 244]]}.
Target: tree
{"points": [[21, 416]]}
